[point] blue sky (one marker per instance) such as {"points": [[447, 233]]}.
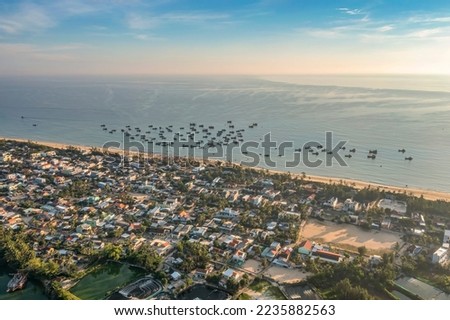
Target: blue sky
{"points": [[224, 37]]}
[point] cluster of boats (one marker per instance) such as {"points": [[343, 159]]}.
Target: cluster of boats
{"points": [[209, 136], [373, 154]]}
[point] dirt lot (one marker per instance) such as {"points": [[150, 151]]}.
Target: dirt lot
{"points": [[284, 275], [252, 266], [330, 232]]}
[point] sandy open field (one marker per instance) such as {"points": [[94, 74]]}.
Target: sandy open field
{"points": [[284, 275], [329, 232], [252, 266]]}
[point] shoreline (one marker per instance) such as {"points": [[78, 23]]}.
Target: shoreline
{"points": [[354, 183]]}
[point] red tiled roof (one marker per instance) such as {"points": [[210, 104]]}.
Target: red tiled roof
{"points": [[328, 255], [306, 244]]}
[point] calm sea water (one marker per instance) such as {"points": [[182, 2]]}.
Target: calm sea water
{"points": [[32, 290], [383, 113]]}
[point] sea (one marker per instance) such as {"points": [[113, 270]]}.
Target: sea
{"points": [[386, 113], [33, 290]]}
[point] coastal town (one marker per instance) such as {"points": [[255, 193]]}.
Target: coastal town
{"points": [[188, 229]]}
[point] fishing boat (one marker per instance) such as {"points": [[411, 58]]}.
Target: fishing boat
{"points": [[17, 282]]}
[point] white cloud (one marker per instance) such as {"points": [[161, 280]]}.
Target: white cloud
{"points": [[320, 33], [351, 11], [138, 22], [76, 7], [385, 28], [425, 33], [429, 19], [141, 37], [28, 18], [142, 22]]}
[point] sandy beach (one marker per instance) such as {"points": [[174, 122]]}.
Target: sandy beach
{"points": [[357, 184]]}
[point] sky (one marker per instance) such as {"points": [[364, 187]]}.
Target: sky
{"points": [[264, 37]]}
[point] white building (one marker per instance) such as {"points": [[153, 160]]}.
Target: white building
{"points": [[446, 236], [227, 213], [440, 255], [257, 201], [393, 205], [350, 205], [271, 225], [5, 157], [332, 203]]}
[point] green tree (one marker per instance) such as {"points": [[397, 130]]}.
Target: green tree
{"points": [[344, 290], [362, 251], [112, 252]]}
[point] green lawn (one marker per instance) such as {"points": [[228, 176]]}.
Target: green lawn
{"points": [[244, 296], [259, 285], [275, 293], [267, 289]]}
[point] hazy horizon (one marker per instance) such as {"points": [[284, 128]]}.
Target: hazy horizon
{"points": [[178, 37]]}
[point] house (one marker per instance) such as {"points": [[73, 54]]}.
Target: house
{"points": [[199, 232], [227, 226], [289, 214], [231, 274], [283, 257], [308, 200], [239, 257], [231, 241], [328, 256], [227, 213], [200, 273], [272, 251], [446, 236], [183, 216], [332, 203], [399, 207], [84, 229], [305, 248], [232, 195], [181, 230], [161, 247], [271, 225], [350, 205], [285, 253], [440, 256], [175, 276], [375, 260], [257, 201], [170, 204]]}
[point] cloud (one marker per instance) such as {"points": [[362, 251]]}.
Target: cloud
{"points": [[429, 19], [385, 28], [142, 22], [77, 7], [425, 33], [351, 12], [141, 37], [146, 37], [138, 22], [28, 18], [24, 51], [320, 33]]}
